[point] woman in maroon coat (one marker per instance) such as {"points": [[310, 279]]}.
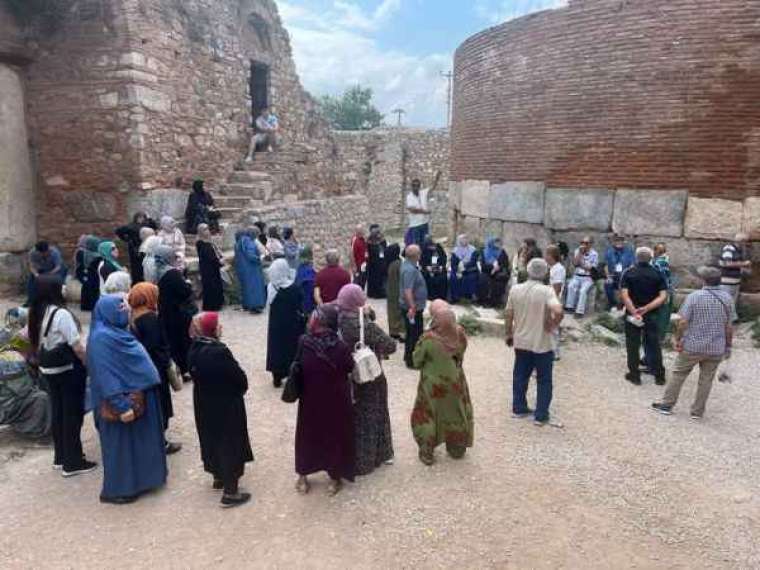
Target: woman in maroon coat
{"points": [[325, 427]]}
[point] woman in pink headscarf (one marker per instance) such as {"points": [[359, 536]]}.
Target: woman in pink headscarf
{"points": [[372, 422]]}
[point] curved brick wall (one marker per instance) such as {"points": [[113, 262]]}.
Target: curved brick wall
{"points": [[638, 94]]}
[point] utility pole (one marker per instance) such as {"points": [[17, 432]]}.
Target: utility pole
{"points": [[448, 75], [398, 112]]}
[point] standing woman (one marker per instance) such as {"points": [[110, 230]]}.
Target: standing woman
{"points": [[274, 244], [218, 401], [433, 267], [200, 209], [109, 255], [56, 335], [144, 324], [377, 268], [172, 236], [325, 425], [176, 307], [250, 275], [393, 285], [306, 278], [443, 411], [124, 383], [131, 235], [372, 420], [291, 247], [91, 284], [495, 275], [465, 274], [210, 262], [286, 320]]}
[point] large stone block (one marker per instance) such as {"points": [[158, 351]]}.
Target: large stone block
{"points": [[455, 195], [653, 212], [751, 224], [157, 203], [577, 208], [475, 197], [708, 218], [91, 207], [515, 233], [12, 273], [518, 202]]}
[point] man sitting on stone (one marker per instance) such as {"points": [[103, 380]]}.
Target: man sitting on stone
{"points": [[266, 131], [733, 262], [44, 259], [618, 258], [585, 260]]}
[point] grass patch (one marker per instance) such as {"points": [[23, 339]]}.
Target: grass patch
{"points": [[606, 320], [471, 325], [755, 332]]}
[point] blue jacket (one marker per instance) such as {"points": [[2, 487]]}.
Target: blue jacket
{"points": [[624, 257]]}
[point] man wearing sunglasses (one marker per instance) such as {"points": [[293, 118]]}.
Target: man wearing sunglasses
{"points": [[585, 260]]}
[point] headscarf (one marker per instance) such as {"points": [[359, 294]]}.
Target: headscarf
{"points": [[393, 252], [204, 233], [148, 247], [168, 224], [462, 251], [198, 186], [444, 327], [205, 325], [117, 363], [88, 245], [143, 298], [145, 233], [164, 257], [375, 234], [118, 282], [306, 255], [492, 250], [280, 277], [322, 332], [105, 249], [351, 299]]}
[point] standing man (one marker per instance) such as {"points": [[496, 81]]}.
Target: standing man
{"points": [[703, 336], [557, 278], [359, 257], [412, 299], [585, 260], [618, 258], [643, 290], [733, 259], [419, 210], [533, 312], [330, 280]]}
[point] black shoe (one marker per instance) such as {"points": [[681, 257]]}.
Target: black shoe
{"points": [[172, 448], [84, 467], [217, 485], [277, 382], [118, 500], [660, 380], [520, 415], [634, 379], [229, 501], [664, 409]]}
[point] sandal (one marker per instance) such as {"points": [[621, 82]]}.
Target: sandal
{"points": [[302, 486], [334, 488], [427, 458]]}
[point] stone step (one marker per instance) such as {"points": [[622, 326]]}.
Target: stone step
{"points": [[248, 176], [258, 191], [228, 201]]}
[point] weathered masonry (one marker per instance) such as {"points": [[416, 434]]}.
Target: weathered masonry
{"points": [[635, 117]]}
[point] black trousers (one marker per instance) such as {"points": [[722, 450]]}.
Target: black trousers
{"points": [[633, 339], [67, 414], [413, 334]]}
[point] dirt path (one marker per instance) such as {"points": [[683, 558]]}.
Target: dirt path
{"points": [[619, 487]]}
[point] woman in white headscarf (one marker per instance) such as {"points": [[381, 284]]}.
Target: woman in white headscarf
{"points": [[286, 320], [148, 251], [118, 282], [173, 237]]}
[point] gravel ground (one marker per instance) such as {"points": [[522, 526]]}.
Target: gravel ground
{"points": [[618, 487]]}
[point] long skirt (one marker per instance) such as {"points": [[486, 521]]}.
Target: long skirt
{"points": [[372, 421], [134, 459]]}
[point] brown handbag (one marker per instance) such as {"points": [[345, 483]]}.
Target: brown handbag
{"points": [[109, 414]]}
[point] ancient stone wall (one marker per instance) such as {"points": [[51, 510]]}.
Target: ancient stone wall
{"points": [[381, 164], [633, 117]]}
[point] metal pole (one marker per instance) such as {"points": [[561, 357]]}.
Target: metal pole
{"points": [[448, 75]]}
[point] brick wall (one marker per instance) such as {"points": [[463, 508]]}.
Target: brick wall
{"points": [[614, 93]]}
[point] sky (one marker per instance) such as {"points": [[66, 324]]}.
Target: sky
{"points": [[399, 48]]}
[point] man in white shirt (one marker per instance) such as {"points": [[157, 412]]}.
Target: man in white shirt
{"points": [[266, 131], [557, 278], [419, 210], [533, 313]]}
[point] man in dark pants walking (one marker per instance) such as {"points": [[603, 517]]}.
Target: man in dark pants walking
{"points": [[412, 299], [643, 290]]}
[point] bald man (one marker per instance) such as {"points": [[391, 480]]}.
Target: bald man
{"points": [[359, 256], [412, 299]]}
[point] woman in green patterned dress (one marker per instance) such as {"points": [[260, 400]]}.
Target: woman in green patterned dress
{"points": [[443, 411]]}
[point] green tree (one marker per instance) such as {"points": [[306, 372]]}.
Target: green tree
{"points": [[352, 111]]}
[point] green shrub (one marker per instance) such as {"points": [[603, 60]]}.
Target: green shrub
{"points": [[615, 324], [471, 325]]}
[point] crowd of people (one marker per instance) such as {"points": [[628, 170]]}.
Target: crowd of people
{"points": [[325, 349]]}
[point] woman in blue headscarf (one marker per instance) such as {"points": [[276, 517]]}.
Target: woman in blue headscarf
{"points": [[249, 271], [494, 275], [132, 446], [465, 273]]}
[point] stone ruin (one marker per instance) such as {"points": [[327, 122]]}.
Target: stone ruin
{"points": [[634, 117], [109, 107]]}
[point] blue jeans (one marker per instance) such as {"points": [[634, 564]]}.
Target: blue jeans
{"points": [[418, 233], [525, 363], [610, 289]]}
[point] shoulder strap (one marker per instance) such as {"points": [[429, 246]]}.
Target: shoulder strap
{"points": [[50, 322], [361, 326], [725, 307]]}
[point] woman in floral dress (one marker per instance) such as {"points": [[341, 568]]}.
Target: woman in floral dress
{"points": [[443, 410]]}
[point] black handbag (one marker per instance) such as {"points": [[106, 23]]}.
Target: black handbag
{"points": [[294, 384], [58, 357]]}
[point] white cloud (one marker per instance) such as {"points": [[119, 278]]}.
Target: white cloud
{"points": [[498, 11], [335, 49]]}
